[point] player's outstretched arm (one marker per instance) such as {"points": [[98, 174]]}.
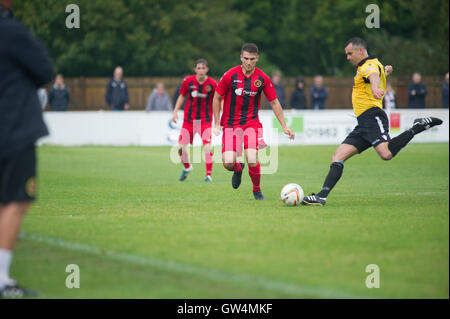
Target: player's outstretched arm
{"points": [[178, 105], [375, 82], [388, 69], [216, 112], [278, 111]]}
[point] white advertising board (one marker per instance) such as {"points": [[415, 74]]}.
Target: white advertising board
{"points": [[153, 128]]}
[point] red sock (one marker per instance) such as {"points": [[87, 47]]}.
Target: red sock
{"points": [[255, 175], [209, 163], [185, 159], [237, 167]]}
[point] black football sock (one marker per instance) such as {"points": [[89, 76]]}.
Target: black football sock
{"points": [[333, 176], [400, 141], [417, 128]]}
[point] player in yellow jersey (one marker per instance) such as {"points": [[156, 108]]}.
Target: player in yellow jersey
{"points": [[373, 124]]}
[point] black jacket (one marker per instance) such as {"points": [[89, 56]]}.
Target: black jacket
{"points": [[176, 94], [298, 98], [58, 99], [24, 67], [116, 94], [417, 101]]}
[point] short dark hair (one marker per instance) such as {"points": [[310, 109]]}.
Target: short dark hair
{"points": [[358, 42], [250, 48], [201, 61]]}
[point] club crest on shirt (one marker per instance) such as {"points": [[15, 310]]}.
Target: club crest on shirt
{"points": [[30, 187], [208, 88], [258, 83]]}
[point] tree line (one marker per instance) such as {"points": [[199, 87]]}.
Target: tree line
{"points": [[164, 38]]}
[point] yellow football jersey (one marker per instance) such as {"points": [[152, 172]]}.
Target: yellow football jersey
{"points": [[362, 97]]}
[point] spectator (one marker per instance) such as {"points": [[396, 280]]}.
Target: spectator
{"points": [[298, 98], [43, 97], [159, 100], [318, 94], [417, 92], [176, 94], [59, 95], [390, 98], [279, 89], [445, 93], [117, 92]]}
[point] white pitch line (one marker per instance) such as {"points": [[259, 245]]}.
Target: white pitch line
{"points": [[299, 291]]}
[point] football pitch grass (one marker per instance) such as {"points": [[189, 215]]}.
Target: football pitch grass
{"points": [[135, 231]]}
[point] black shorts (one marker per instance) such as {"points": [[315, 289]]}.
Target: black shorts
{"points": [[18, 176], [372, 129]]}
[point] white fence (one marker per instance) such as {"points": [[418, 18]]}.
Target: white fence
{"points": [[153, 128]]}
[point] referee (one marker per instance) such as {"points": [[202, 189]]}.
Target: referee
{"points": [[373, 124], [24, 67]]}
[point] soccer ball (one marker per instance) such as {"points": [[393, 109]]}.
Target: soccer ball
{"points": [[292, 194]]}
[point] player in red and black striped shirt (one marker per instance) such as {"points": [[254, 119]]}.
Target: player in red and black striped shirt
{"points": [[199, 89], [241, 88]]}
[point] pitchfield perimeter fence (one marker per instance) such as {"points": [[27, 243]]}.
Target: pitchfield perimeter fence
{"points": [[89, 93]]}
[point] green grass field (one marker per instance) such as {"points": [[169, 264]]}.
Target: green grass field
{"points": [[135, 231]]}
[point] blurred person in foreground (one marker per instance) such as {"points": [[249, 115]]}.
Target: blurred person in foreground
{"points": [[25, 66]]}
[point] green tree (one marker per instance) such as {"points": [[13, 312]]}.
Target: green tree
{"points": [[164, 38], [145, 37]]}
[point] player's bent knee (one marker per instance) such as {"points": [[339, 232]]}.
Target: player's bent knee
{"points": [[228, 162], [228, 166]]}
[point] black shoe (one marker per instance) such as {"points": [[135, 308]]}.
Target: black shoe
{"points": [[314, 200], [258, 195], [426, 123], [15, 291], [237, 177]]}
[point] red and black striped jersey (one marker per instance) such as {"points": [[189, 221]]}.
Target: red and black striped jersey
{"points": [[199, 98], [242, 96]]}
